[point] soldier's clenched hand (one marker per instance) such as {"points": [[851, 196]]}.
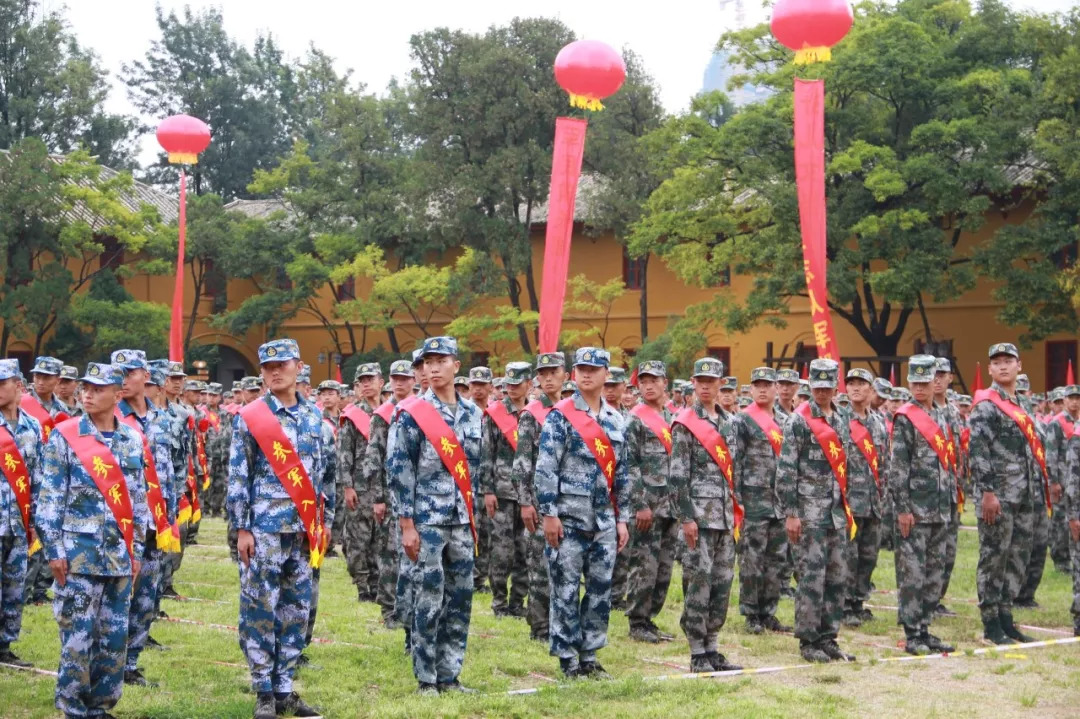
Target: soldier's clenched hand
{"points": [[906, 521], [351, 500], [643, 519], [690, 533], [529, 517], [793, 525], [245, 546], [410, 539], [491, 503], [991, 507], [1074, 529], [379, 510], [553, 531], [623, 533], [59, 569]]}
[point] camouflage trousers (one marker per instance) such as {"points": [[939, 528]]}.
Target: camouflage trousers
{"points": [[213, 499], [12, 586], [708, 570], [951, 539], [1059, 538], [92, 614], [313, 611], [38, 577], [442, 603], [337, 529], [620, 577], [231, 535], [920, 572], [404, 594], [275, 600], [1040, 544], [390, 544], [888, 523], [763, 553], [170, 564], [482, 560], [362, 545], [579, 623], [144, 601], [1074, 551], [508, 563], [822, 567], [1004, 551], [651, 560], [539, 584], [862, 556]]}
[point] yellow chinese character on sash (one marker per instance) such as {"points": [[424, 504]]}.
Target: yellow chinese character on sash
{"points": [[515, 436], [776, 437], [720, 453], [294, 475], [10, 462], [124, 522], [939, 441], [601, 448], [1020, 417], [100, 468], [841, 470], [1039, 453], [868, 446], [157, 511], [279, 451], [305, 502], [834, 450], [821, 334], [667, 435], [460, 469], [447, 446], [874, 464], [114, 493], [609, 469]]}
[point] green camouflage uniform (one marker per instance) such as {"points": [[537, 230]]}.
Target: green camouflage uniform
{"points": [[865, 495], [361, 540], [388, 540], [1070, 505], [949, 419]]}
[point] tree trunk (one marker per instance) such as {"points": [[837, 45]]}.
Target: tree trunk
{"points": [[513, 289], [352, 336], [643, 303], [198, 282], [4, 337], [391, 336]]}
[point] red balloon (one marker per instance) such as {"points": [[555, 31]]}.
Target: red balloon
{"points": [[590, 71], [183, 137], [811, 27]]}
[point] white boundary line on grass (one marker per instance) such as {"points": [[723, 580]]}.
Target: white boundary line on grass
{"points": [[31, 670]]}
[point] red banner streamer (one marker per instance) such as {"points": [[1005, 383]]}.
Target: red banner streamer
{"points": [[176, 330]]}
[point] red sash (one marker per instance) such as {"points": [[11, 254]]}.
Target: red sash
{"points": [[767, 424], [506, 422], [935, 437], [189, 510], [35, 409], [860, 435], [98, 461], [15, 472], [447, 446], [596, 440], [386, 411], [670, 407], [1066, 424], [204, 461], [833, 449], [283, 460], [714, 444], [655, 422], [1027, 428], [360, 419], [965, 440], [154, 500], [214, 418], [537, 409]]}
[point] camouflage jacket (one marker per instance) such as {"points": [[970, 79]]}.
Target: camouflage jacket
{"points": [[217, 447], [420, 486], [569, 482], [524, 469], [1071, 501], [54, 406], [499, 457], [373, 466], [805, 482], [328, 483], [155, 426], [181, 443], [1057, 448], [1001, 458], [864, 492], [648, 467], [950, 420], [257, 501], [27, 434], [702, 489], [918, 483], [352, 447], [755, 467], [73, 519]]}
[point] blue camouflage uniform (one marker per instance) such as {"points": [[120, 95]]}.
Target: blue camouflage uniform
{"points": [[276, 586], [329, 495], [13, 547], [75, 523], [144, 598], [571, 486], [423, 490], [181, 447]]}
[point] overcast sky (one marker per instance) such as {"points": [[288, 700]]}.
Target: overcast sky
{"points": [[675, 38]]}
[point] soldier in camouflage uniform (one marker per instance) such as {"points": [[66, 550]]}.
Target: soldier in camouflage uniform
{"points": [[433, 513], [66, 390], [764, 542], [1008, 484], [584, 520], [90, 561], [197, 426], [1040, 543], [708, 517], [1070, 506], [614, 391], [655, 530], [217, 452], [729, 395], [365, 503], [814, 505], [923, 491], [508, 562], [273, 545], [1058, 432], [866, 480], [330, 395], [949, 418], [787, 388], [329, 479], [25, 431], [551, 373], [181, 447], [482, 388]]}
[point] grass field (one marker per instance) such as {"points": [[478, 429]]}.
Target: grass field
{"points": [[363, 671]]}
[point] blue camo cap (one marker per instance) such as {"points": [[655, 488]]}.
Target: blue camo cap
{"points": [[592, 357], [8, 368], [281, 350], [305, 375], [130, 359], [103, 374], [439, 346], [157, 377], [47, 365]]}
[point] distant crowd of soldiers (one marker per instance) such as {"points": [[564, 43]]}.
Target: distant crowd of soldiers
{"points": [[565, 498]]}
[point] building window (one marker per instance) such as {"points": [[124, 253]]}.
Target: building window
{"points": [[723, 354], [804, 354], [633, 271], [346, 290], [26, 360], [1058, 356]]}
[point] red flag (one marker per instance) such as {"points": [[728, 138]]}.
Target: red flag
{"points": [[337, 374], [892, 375], [633, 378], [176, 330], [1069, 375], [805, 374], [978, 378], [565, 171]]}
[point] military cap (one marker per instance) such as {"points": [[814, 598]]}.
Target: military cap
{"points": [[128, 359], [70, 372], [744, 402], [550, 359], [902, 394], [280, 350], [462, 381], [175, 369], [498, 382], [329, 384], [787, 375], [824, 374], [440, 346], [616, 375], [8, 368], [729, 384], [950, 394], [964, 400], [304, 377], [1056, 394], [518, 372], [250, 384], [1004, 348], [921, 368], [843, 399], [194, 385], [1023, 384], [592, 357], [942, 364], [237, 386], [480, 375], [417, 357], [401, 368], [654, 368], [804, 389], [48, 365], [103, 374], [214, 388], [762, 374], [860, 373], [161, 364], [708, 367], [367, 369], [569, 386], [1071, 390], [157, 377], [883, 387]]}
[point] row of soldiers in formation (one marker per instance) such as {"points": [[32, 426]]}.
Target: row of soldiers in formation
{"points": [[575, 480]]}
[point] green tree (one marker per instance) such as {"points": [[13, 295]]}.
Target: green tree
{"points": [[589, 300]]}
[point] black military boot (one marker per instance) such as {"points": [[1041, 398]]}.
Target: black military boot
{"points": [[813, 652], [770, 622], [570, 667], [1076, 627], [915, 643], [700, 664], [8, 657], [292, 704], [1010, 629], [135, 678], [720, 663], [830, 647], [754, 625], [992, 632], [936, 644], [265, 706]]}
